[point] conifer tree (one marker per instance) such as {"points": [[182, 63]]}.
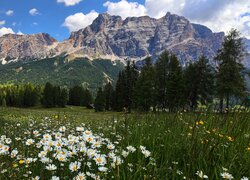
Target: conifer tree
{"points": [[48, 99], [161, 79], [63, 97], [230, 81], [175, 85], [87, 98], [199, 77], [99, 101], [144, 89], [108, 93]]}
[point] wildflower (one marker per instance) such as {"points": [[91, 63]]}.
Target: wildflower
{"points": [[47, 137], [131, 149], [125, 153], [244, 178], [62, 129], [179, 172], [87, 133], [45, 160], [230, 138], [29, 142], [55, 178], [35, 132], [201, 175], [61, 157], [226, 175], [103, 169], [8, 141], [100, 160], [201, 122], [14, 153], [80, 129], [146, 153], [110, 146], [21, 161], [224, 169], [51, 167], [35, 178], [74, 166], [80, 176], [15, 165]]}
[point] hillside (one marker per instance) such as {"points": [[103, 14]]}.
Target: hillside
{"points": [[57, 71]]}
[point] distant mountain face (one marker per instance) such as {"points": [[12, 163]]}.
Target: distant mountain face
{"points": [[111, 37], [138, 37], [21, 47]]}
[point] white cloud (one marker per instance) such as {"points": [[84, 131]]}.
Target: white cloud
{"points": [[79, 20], [124, 8], [69, 2], [9, 12], [219, 15], [5, 30], [160, 8], [33, 12], [2, 23], [19, 33]]}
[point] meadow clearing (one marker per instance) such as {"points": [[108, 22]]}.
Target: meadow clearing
{"points": [[76, 143]]}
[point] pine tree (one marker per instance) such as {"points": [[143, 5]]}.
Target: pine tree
{"points": [[99, 101], [48, 99], [62, 98], [87, 98], [30, 96], [230, 82], [199, 77], [161, 78], [125, 87], [175, 85], [144, 89], [76, 96], [108, 93]]}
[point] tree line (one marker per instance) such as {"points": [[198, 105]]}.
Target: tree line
{"points": [[167, 86], [49, 96]]}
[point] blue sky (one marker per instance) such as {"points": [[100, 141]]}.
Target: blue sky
{"points": [[60, 17]]}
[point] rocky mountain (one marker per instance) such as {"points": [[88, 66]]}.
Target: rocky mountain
{"points": [[111, 37], [15, 47], [138, 37]]}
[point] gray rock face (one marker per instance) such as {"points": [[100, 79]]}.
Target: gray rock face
{"points": [[114, 38], [13, 47], [137, 37]]}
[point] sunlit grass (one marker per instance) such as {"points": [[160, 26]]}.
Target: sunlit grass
{"points": [[181, 145]]}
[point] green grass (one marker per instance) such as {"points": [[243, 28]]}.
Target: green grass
{"points": [[180, 144]]}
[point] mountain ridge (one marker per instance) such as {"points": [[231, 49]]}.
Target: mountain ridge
{"points": [[111, 37]]}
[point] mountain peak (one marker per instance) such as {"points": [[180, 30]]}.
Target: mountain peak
{"points": [[112, 37]]}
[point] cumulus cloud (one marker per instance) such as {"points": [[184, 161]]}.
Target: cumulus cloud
{"points": [[125, 8], [160, 8], [219, 15], [33, 12], [19, 33], [79, 20], [9, 12], [69, 2], [5, 30], [2, 23]]}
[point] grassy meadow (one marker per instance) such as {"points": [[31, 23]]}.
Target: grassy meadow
{"points": [[76, 143]]}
